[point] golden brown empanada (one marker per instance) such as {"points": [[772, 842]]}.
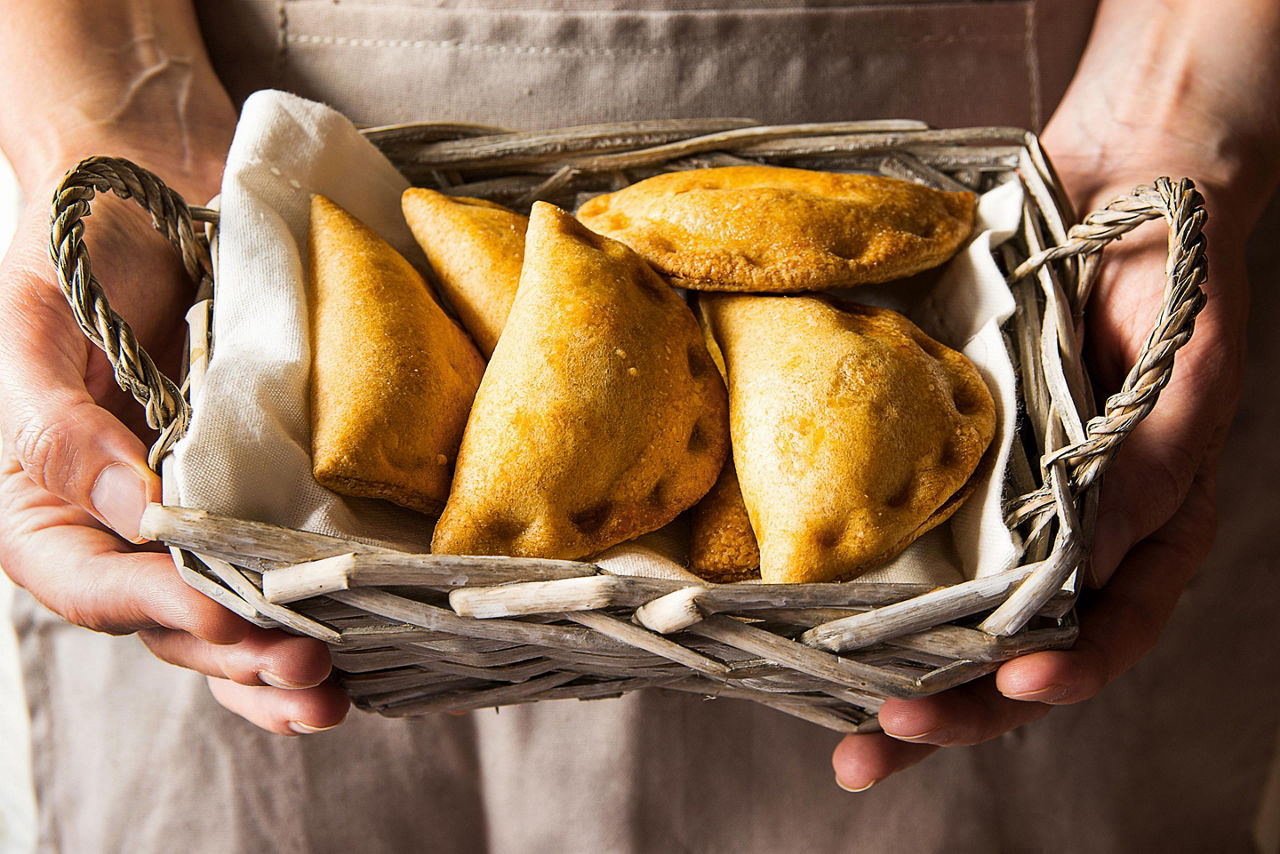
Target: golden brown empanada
{"points": [[600, 416], [853, 431], [476, 248], [780, 230], [722, 546], [392, 377]]}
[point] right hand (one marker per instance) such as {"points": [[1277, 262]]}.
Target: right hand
{"points": [[74, 478]]}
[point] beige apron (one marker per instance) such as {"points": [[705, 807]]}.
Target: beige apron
{"points": [[132, 755], [525, 67]]}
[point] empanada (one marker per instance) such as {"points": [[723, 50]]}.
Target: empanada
{"points": [[853, 431], [392, 376], [780, 230], [476, 249], [600, 416], [722, 546]]}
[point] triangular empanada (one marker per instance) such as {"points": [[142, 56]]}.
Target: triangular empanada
{"points": [[392, 376], [476, 248], [853, 431], [600, 416], [722, 546], [780, 230]]}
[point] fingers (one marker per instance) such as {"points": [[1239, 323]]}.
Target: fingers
{"points": [[282, 711], [861, 761], [913, 729], [122, 593], [963, 716], [59, 554], [79, 452], [1122, 622], [1118, 627], [262, 657]]}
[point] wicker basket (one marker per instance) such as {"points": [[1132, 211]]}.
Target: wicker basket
{"points": [[413, 634]]}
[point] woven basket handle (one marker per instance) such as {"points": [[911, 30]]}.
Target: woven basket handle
{"points": [[135, 371], [1182, 206]]}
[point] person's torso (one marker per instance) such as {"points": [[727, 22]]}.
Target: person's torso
{"points": [[532, 64]]}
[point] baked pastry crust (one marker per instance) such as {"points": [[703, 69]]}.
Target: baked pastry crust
{"points": [[853, 431], [781, 230], [392, 375], [600, 416], [476, 248], [722, 546]]}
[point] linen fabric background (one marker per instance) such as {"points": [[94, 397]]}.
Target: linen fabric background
{"points": [[132, 755]]}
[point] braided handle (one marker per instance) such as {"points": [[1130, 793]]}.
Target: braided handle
{"points": [[1182, 206], [167, 410]]}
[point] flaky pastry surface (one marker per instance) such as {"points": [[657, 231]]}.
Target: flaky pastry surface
{"points": [[600, 416], [476, 248], [392, 376], [781, 230], [853, 431], [722, 546]]}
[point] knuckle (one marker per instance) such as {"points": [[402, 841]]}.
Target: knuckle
{"points": [[239, 664], [48, 451], [89, 615], [100, 602], [1094, 666], [1168, 475]]}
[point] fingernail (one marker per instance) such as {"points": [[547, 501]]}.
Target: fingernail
{"points": [[1048, 694], [933, 735], [853, 790], [119, 496], [1112, 538], [269, 678], [306, 729]]}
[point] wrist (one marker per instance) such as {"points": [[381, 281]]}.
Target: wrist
{"points": [[191, 163], [1155, 96], [120, 77], [1096, 164]]}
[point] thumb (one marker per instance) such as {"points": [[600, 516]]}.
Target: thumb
{"points": [[65, 442], [73, 448]]}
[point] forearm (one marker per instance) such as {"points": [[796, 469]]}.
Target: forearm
{"points": [[1182, 86], [110, 76]]}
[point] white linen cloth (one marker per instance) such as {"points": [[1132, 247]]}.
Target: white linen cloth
{"points": [[247, 453]]}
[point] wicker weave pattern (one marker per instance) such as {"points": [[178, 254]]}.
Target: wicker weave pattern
{"points": [[413, 634], [135, 372]]}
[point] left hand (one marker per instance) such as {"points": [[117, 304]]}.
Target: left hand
{"points": [[64, 421]]}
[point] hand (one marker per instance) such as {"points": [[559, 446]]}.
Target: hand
{"points": [[74, 479], [1153, 96], [1156, 517]]}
